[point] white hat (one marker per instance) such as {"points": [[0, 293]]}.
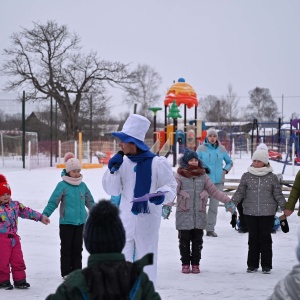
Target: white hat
{"points": [[134, 130], [261, 155], [262, 146]]}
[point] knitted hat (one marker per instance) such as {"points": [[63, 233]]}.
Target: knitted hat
{"points": [[71, 162], [104, 231], [262, 146], [261, 155], [4, 186], [187, 156], [212, 131], [134, 131]]}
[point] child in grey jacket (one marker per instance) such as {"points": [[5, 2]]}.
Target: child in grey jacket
{"points": [[261, 193], [193, 188]]}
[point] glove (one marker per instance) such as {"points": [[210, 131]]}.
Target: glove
{"points": [[233, 220], [284, 224], [157, 200], [166, 211], [115, 162], [230, 205]]}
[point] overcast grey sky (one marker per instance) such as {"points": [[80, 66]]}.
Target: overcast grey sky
{"points": [[210, 43]]}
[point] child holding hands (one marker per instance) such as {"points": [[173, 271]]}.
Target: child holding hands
{"points": [[261, 193], [193, 189], [11, 255], [73, 196]]}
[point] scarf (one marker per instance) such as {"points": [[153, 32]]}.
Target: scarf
{"points": [[73, 181], [191, 171], [143, 171], [260, 171]]}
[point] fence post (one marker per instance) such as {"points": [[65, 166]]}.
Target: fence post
{"points": [[59, 151], [29, 155]]}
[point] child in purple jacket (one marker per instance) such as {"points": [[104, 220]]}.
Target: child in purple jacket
{"points": [[11, 256]]}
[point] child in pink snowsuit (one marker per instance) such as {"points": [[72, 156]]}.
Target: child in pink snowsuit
{"points": [[11, 256]]}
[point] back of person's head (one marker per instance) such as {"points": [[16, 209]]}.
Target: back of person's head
{"points": [[104, 231]]}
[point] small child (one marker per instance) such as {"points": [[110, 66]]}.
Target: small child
{"points": [[193, 188], [73, 195], [11, 256], [261, 193]]}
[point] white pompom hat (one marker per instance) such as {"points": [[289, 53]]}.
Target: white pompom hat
{"points": [[261, 155]]}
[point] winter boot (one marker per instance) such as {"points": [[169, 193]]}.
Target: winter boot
{"points": [[195, 269], [21, 284], [266, 270], [6, 285], [251, 269], [211, 233], [186, 269]]}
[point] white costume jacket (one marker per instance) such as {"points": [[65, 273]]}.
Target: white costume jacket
{"points": [[142, 230]]}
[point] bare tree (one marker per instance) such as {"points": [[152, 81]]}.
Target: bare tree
{"points": [[46, 62], [213, 109], [232, 102], [144, 89], [262, 106]]}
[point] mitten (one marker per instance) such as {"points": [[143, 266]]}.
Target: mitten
{"points": [[166, 211], [284, 224], [233, 220], [231, 205], [115, 162], [157, 200]]}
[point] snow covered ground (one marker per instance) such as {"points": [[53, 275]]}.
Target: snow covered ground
{"points": [[223, 264]]}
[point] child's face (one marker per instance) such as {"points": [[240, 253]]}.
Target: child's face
{"points": [[258, 164], [4, 198], [75, 173], [193, 162]]}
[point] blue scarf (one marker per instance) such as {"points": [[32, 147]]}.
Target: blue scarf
{"points": [[143, 171]]}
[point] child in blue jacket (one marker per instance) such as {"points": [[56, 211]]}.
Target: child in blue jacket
{"points": [[73, 196]]}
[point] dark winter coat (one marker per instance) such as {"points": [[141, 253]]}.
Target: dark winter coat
{"points": [[261, 194], [192, 196], [108, 276], [294, 195]]}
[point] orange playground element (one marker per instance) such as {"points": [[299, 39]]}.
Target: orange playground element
{"points": [[183, 93]]}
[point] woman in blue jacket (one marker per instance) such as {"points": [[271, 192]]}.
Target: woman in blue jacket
{"points": [[73, 196], [216, 158]]}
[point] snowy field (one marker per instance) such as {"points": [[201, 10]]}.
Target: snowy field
{"points": [[223, 264]]}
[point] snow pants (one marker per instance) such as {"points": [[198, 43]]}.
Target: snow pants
{"points": [[190, 246], [260, 241], [11, 258], [71, 240], [213, 209]]}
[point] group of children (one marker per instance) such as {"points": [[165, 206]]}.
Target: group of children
{"points": [[260, 193], [73, 196], [259, 190]]}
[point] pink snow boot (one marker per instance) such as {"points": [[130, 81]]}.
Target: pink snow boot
{"points": [[186, 269], [195, 269]]}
